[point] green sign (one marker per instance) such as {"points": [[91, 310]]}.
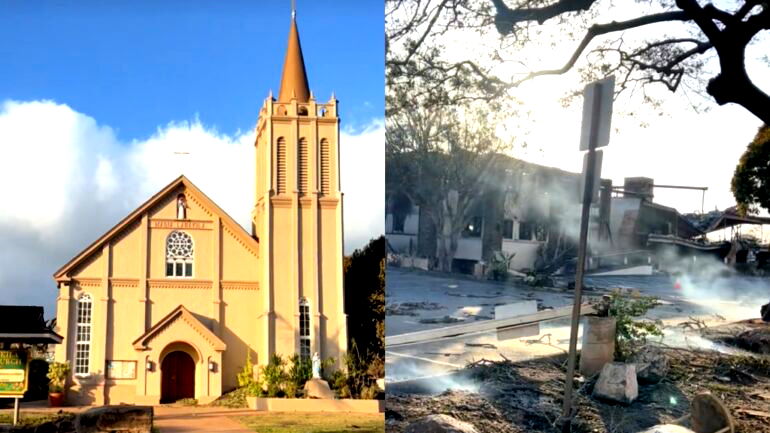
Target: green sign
{"points": [[13, 372]]}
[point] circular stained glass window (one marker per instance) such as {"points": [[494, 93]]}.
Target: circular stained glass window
{"points": [[179, 245]]}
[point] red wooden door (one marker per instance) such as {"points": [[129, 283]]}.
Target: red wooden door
{"points": [[177, 377]]}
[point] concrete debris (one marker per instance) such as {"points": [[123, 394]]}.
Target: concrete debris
{"points": [[651, 364], [439, 424], [617, 382]]}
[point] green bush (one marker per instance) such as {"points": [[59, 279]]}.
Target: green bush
{"points": [[246, 380], [300, 371], [626, 307], [356, 379], [274, 376], [57, 374]]}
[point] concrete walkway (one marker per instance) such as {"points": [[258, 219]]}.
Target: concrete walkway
{"points": [[199, 419]]}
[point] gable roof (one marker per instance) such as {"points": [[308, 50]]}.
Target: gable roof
{"points": [[180, 312], [237, 229]]}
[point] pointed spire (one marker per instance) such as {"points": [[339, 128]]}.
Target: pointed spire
{"points": [[294, 78]]}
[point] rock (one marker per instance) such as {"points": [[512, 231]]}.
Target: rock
{"points": [[651, 364], [439, 424], [115, 419], [617, 382], [318, 388], [765, 311], [709, 414]]}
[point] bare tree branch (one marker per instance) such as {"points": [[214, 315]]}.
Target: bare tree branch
{"points": [[601, 29], [507, 18]]}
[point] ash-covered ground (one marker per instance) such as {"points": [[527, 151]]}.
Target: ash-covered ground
{"points": [[419, 300], [432, 377]]}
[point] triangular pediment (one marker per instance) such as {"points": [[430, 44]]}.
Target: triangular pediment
{"points": [[134, 218], [179, 317]]}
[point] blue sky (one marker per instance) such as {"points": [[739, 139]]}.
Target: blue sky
{"points": [[135, 65], [102, 104]]}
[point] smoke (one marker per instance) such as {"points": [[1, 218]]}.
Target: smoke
{"points": [[406, 373], [546, 195]]}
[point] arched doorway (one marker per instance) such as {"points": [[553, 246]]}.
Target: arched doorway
{"points": [[177, 373]]}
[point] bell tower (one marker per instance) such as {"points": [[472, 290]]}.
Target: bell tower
{"points": [[297, 218]]}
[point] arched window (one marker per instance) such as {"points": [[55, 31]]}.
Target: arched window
{"points": [[303, 179], [281, 165], [83, 335], [325, 167], [179, 255], [304, 329]]}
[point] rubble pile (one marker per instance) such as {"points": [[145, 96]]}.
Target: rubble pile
{"points": [[527, 396]]}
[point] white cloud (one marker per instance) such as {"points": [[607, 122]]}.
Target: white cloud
{"points": [[363, 183], [66, 180]]}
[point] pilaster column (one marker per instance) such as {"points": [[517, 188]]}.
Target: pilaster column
{"points": [[62, 321], [216, 272], [143, 321]]}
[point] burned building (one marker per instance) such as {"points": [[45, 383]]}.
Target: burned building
{"points": [[521, 207]]}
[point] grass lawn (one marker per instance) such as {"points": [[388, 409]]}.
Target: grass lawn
{"points": [[28, 419], [300, 422]]}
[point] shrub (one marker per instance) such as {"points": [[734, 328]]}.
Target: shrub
{"points": [[57, 374], [273, 375], [300, 371], [499, 264], [625, 307], [246, 380], [354, 380]]}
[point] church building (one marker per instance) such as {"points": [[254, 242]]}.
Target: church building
{"points": [[170, 302]]}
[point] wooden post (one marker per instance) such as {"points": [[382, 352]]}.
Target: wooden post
{"points": [[588, 189], [15, 410]]}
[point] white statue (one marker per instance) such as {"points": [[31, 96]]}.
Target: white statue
{"points": [[316, 366], [181, 207]]}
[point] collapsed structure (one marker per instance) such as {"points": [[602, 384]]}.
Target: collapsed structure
{"points": [[529, 214]]}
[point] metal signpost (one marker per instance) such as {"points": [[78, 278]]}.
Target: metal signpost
{"points": [[595, 132], [14, 377]]}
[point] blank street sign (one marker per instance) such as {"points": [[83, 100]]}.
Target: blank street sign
{"points": [[606, 87], [517, 309]]}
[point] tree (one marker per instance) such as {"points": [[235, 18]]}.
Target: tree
{"points": [[640, 54], [439, 159], [751, 180], [365, 303]]}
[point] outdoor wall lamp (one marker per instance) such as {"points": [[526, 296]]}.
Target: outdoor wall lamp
{"points": [[148, 365], [212, 366]]}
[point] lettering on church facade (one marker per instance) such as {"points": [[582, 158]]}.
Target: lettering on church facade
{"points": [[177, 224]]}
